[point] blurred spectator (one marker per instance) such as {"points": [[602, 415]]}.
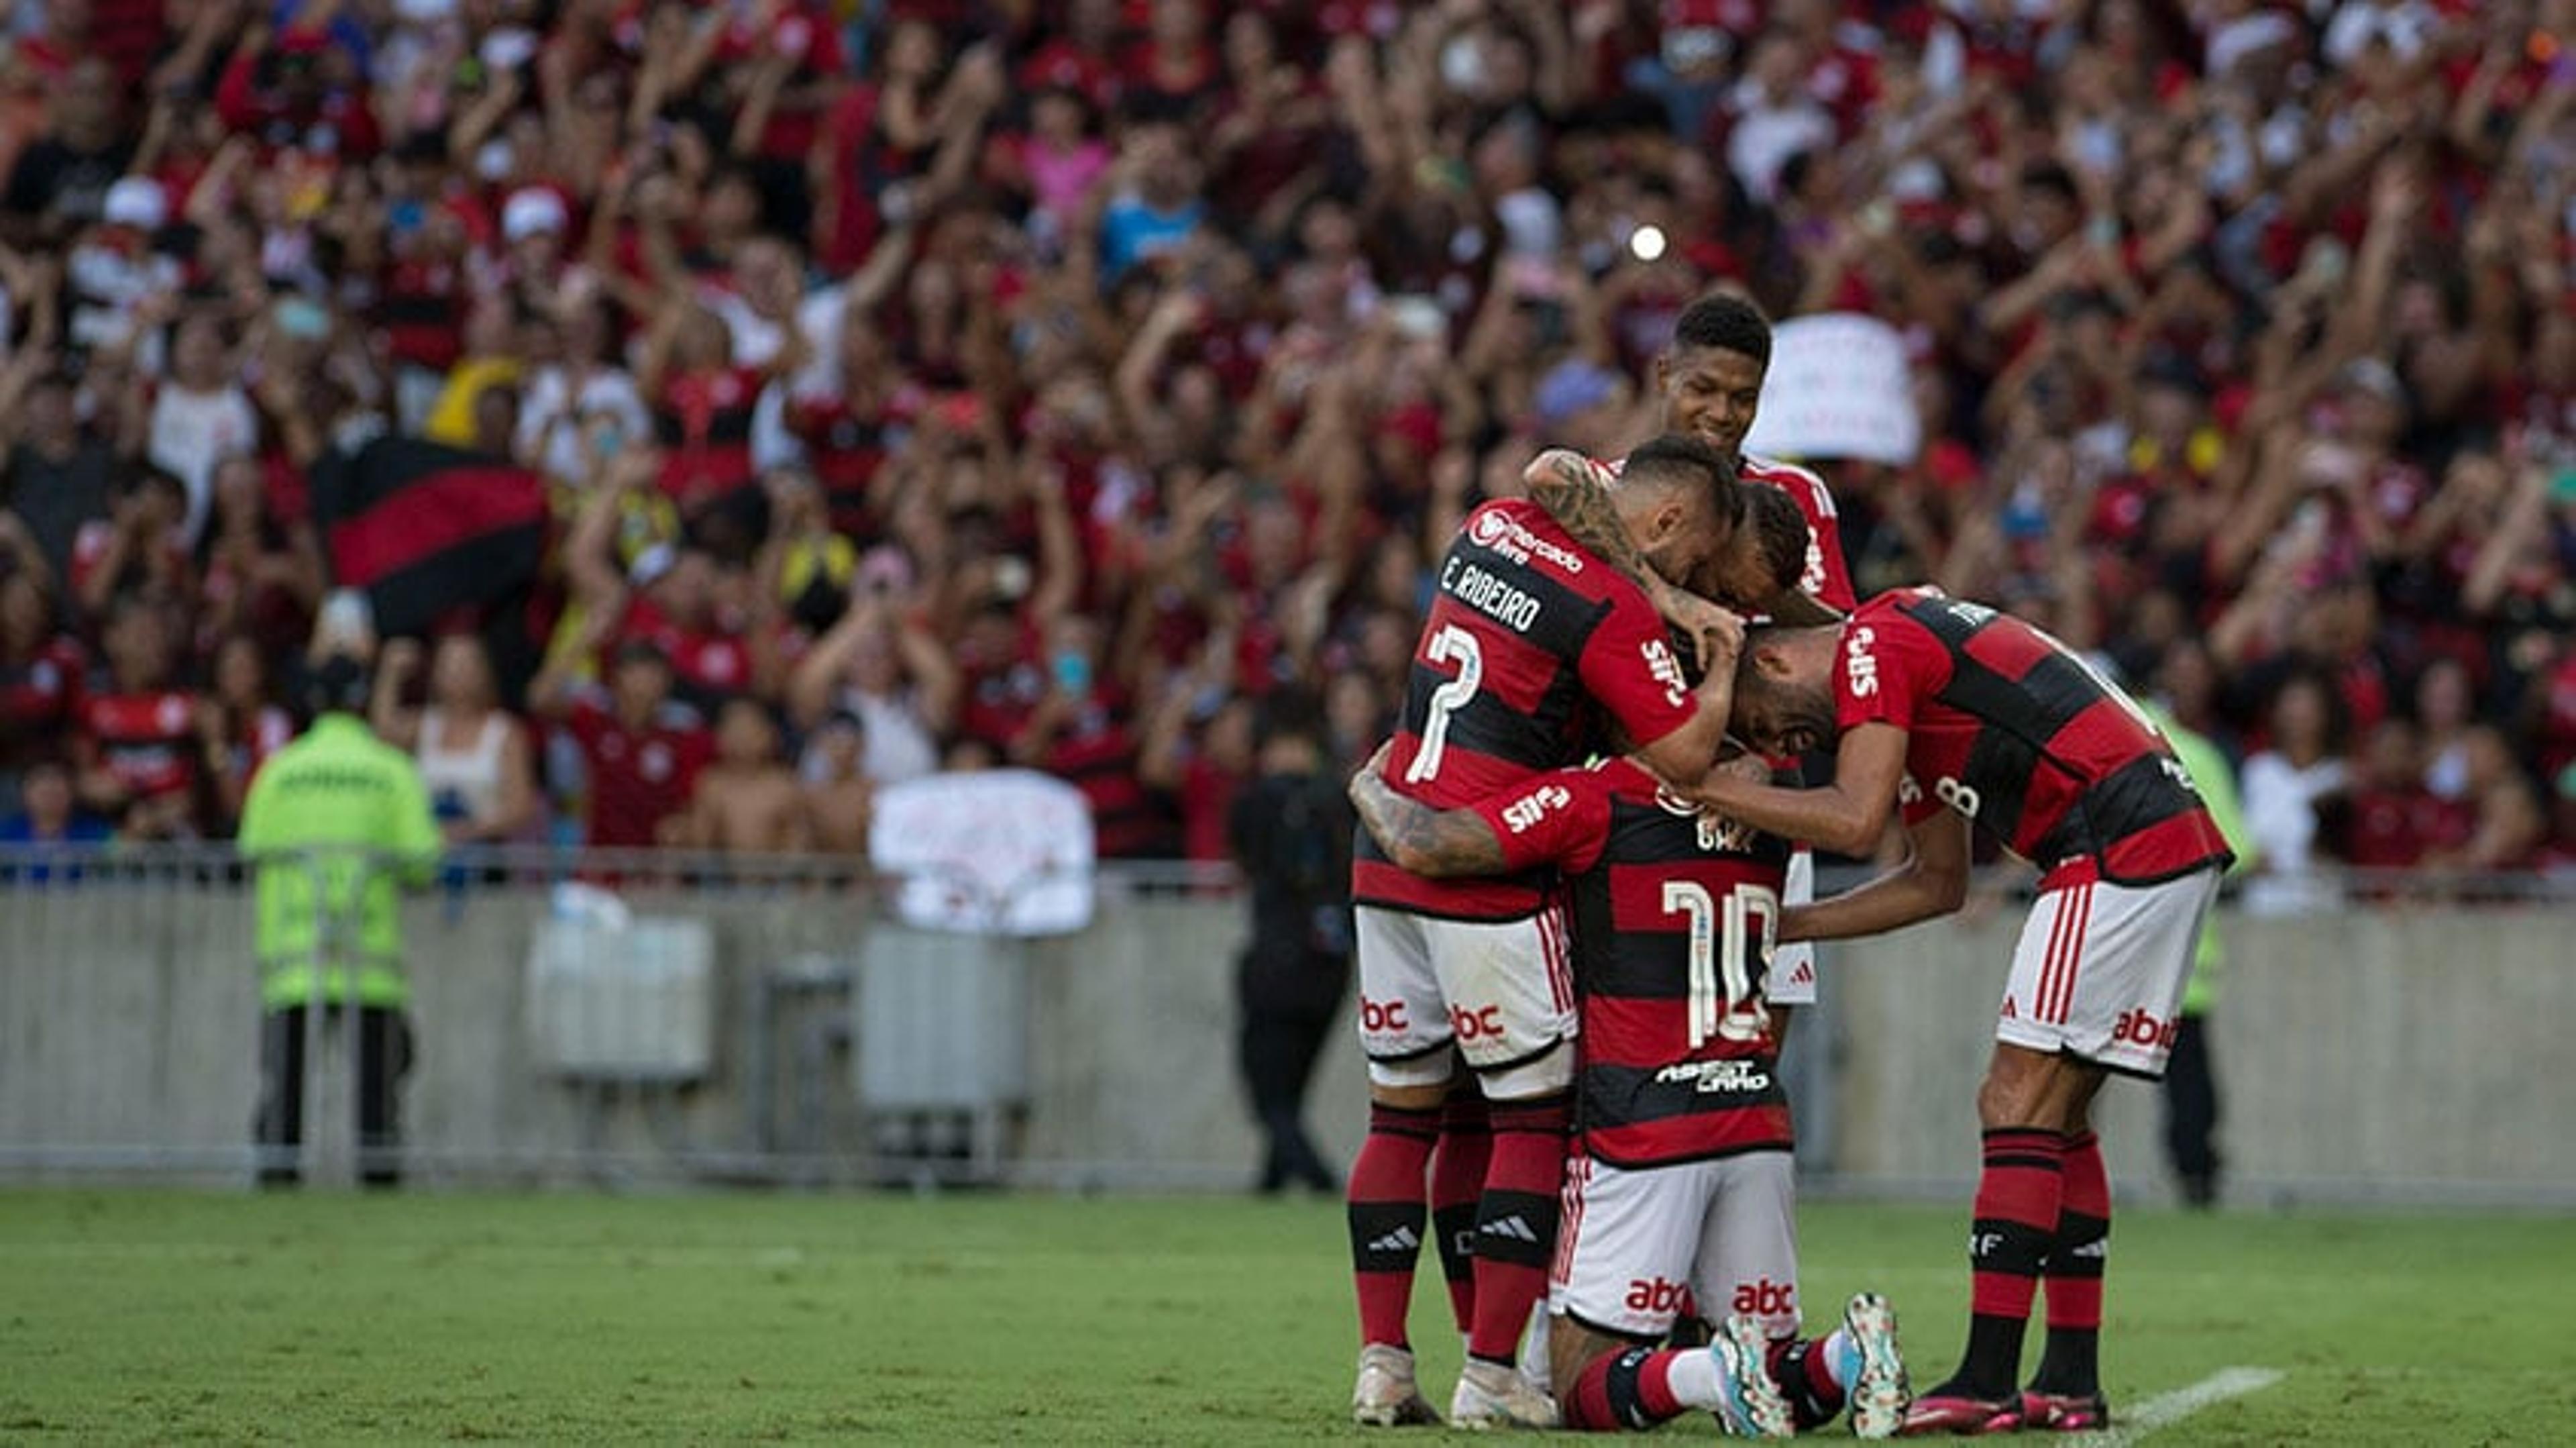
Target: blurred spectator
{"points": [[2506, 824], [48, 811], [2389, 819], [474, 756], [867, 351], [640, 749], [240, 723], [58, 466], [746, 801], [2282, 787], [884, 668], [139, 754], [201, 414], [840, 795], [60, 181], [42, 668]]}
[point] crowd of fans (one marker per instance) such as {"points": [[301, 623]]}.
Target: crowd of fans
{"points": [[931, 383]]}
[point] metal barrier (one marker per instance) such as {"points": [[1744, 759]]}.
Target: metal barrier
{"points": [[592, 1015], [747, 1020]]}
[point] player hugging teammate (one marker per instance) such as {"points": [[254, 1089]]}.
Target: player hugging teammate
{"points": [[1544, 628]]}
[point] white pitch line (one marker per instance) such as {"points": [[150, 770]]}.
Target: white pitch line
{"points": [[2166, 1409]]}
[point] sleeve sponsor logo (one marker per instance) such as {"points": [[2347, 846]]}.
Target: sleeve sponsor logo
{"points": [[1667, 671], [1860, 666], [1522, 814]]}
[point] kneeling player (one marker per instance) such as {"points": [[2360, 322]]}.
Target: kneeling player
{"points": [[1681, 1191]]}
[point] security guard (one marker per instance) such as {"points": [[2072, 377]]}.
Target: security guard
{"points": [[342, 810], [2191, 1076]]}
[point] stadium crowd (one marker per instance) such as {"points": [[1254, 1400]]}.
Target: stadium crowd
{"points": [[952, 384]]}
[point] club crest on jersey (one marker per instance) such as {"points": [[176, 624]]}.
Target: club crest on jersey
{"points": [[1495, 530], [1717, 834]]}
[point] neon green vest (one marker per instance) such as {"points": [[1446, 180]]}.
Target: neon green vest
{"points": [[336, 822], [2217, 781]]}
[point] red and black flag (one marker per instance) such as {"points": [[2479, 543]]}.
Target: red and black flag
{"points": [[436, 536]]}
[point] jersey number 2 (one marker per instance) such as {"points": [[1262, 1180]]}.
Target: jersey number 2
{"points": [[1451, 645], [1722, 943]]}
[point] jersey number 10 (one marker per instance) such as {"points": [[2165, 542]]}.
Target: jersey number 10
{"points": [[1722, 944]]}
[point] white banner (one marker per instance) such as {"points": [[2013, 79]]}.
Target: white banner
{"points": [[1004, 852], [1839, 387]]}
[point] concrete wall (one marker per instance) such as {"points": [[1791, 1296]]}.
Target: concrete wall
{"points": [[2374, 1055]]}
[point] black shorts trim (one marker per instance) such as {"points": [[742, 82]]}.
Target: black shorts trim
{"points": [[1398, 1059], [1641, 1339], [1785, 1148], [1418, 912], [1520, 1060]]}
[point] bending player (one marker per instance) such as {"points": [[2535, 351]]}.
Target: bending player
{"points": [[1951, 713], [1709, 379], [1682, 1188], [1528, 636]]}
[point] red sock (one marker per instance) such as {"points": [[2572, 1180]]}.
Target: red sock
{"points": [[1385, 1207], [2074, 1272], [1516, 1222], [2016, 1221], [2076, 1258], [2016, 1218], [1457, 1181], [1628, 1390]]}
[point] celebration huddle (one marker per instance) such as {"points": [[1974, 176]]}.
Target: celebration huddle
{"points": [[1585, 903]]}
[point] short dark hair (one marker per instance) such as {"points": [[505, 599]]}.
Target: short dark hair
{"points": [[1726, 322], [1780, 533], [1679, 459], [1291, 713]]}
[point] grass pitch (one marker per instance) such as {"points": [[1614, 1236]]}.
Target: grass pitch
{"points": [[154, 1317]]}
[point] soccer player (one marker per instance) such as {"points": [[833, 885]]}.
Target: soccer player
{"points": [[1680, 1195], [1529, 639], [1951, 713], [1710, 380]]}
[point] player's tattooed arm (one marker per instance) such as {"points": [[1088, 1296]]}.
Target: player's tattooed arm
{"points": [[1436, 844], [1576, 493]]}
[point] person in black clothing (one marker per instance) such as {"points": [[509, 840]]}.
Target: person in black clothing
{"points": [[59, 182], [1290, 830]]}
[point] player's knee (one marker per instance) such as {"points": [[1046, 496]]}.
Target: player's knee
{"points": [[1407, 1098], [1549, 1073]]}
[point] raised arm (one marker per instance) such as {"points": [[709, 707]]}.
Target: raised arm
{"points": [[1932, 881], [1576, 493], [1437, 844]]}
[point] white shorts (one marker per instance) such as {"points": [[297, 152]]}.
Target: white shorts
{"points": [[1637, 1248], [1500, 993], [2100, 971], [1791, 980]]}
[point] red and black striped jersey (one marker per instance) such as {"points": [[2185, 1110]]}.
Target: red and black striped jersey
{"points": [[1674, 914], [2005, 725], [1826, 578], [1528, 637]]}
